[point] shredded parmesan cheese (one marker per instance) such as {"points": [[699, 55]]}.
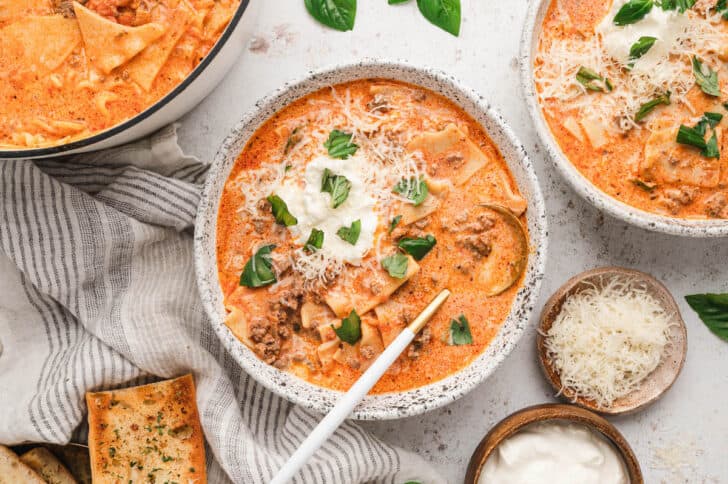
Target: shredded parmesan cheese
{"points": [[607, 340]]}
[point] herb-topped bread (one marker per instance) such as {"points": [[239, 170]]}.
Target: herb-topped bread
{"points": [[149, 433]]}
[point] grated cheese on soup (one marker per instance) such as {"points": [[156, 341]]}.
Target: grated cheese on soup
{"points": [[606, 341]]}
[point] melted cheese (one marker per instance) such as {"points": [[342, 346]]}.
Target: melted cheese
{"points": [[606, 341]]}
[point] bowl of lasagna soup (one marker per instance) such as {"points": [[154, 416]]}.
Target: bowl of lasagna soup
{"points": [[340, 207], [89, 74], [629, 98]]}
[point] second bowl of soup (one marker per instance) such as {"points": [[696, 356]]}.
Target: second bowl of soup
{"points": [[340, 208]]}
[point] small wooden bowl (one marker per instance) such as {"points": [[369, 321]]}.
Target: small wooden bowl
{"points": [[552, 411], [658, 382]]}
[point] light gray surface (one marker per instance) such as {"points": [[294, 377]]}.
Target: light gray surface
{"points": [[683, 437]]}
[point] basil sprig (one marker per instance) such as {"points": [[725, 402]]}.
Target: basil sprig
{"points": [[280, 211], [339, 145], [413, 189], [460, 331], [712, 309], [350, 329], [593, 81], [315, 240], [706, 78], [417, 247], [696, 136], [722, 8], [258, 271], [640, 48], [396, 265], [336, 185], [633, 11], [647, 107], [442, 13], [350, 234], [337, 14]]}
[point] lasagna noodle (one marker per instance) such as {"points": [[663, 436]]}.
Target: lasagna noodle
{"points": [[109, 44]]}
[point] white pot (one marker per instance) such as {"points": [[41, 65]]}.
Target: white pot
{"points": [[198, 84]]}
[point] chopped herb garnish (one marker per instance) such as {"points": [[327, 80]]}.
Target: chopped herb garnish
{"points": [[712, 310], [442, 13], [336, 185], [679, 5], [647, 107], [393, 224], [350, 234], [258, 271], [280, 211], [339, 145], [337, 14], [706, 78], [709, 119], [711, 148], [722, 8], [725, 106], [460, 331], [396, 265], [166, 458], [696, 136], [648, 187], [293, 139], [350, 329], [690, 136], [593, 81], [315, 240], [417, 247], [412, 189], [633, 11], [640, 48], [112, 452]]}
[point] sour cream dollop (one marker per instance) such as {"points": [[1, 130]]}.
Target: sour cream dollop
{"points": [[554, 452]]}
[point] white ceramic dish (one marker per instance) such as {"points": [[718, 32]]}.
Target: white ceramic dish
{"points": [[198, 84], [392, 405], [582, 185]]}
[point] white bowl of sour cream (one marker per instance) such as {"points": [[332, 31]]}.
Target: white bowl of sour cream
{"points": [[554, 443]]}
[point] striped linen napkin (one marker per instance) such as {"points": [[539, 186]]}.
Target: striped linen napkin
{"points": [[97, 291]]}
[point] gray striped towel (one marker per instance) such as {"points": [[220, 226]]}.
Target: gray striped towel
{"points": [[97, 291]]}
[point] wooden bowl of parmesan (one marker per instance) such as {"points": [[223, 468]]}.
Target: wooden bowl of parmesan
{"points": [[611, 340]]}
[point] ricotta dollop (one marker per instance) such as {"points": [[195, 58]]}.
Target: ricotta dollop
{"points": [[314, 210]]}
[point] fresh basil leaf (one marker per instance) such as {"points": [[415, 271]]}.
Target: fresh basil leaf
{"points": [[691, 137], [413, 189], [258, 271], [713, 119], [442, 13], [339, 145], [280, 211], [315, 240], [337, 14], [337, 185], [711, 148], [648, 187], [712, 309], [679, 5], [640, 48], [593, 81], [633, 11], [647, 107], [460, 331], [393, 224], [350, 234], [706, 78], [396, 265], [417, 247], [350, 329]]}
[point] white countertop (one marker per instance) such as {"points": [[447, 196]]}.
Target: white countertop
{"points": [[682, 437]]}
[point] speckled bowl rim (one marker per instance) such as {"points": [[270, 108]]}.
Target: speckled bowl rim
{"points": [[580, 183], [390, 405]]}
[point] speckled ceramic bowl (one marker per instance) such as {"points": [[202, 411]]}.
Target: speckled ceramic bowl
{"points": [[582, 185], [392, 405]]}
